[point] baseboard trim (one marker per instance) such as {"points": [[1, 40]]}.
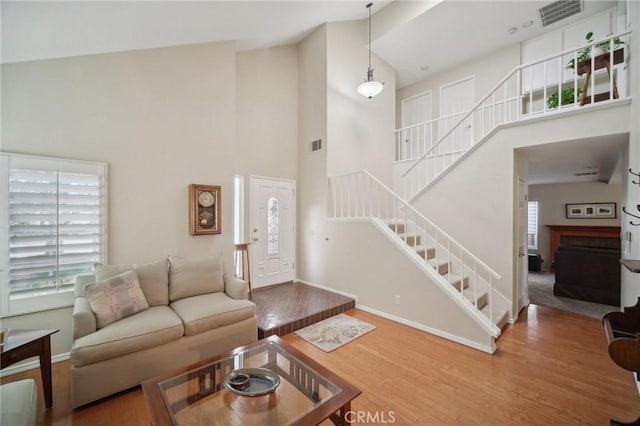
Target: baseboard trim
{"points": [[466, 342], [332, 290], [19, 368], [475, 345]]}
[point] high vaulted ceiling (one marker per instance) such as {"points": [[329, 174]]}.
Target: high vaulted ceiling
{"points": [[437, 34], [52, 29], [443, 34]]}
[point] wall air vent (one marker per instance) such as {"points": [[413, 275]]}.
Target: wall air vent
{"points": [[316, 145], [559, 10]]}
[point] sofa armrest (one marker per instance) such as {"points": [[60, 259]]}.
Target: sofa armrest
{"points": [[83, 319], [235, 288]]}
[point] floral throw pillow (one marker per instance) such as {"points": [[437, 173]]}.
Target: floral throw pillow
{"points": [[115, 298]]}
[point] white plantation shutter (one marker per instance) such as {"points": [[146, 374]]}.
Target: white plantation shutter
{"points": [[532, 224], [55, 219]]}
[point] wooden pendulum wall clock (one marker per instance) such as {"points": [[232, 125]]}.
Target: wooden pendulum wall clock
{"points": [[204, 209]]}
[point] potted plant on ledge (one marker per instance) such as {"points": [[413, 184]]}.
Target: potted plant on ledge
{"points": [[593, 51], [568, 97]]}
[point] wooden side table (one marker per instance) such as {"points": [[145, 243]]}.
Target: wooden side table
{"points": [[24, 343], [600, 61]]}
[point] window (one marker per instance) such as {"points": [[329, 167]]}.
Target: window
{"points": [[54, 228], [273, 226], [532, 225]]}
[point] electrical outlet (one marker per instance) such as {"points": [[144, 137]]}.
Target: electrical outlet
{"points": [[397, 299]]}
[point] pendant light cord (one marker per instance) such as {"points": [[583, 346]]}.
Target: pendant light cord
{"points": [[369, 7]]}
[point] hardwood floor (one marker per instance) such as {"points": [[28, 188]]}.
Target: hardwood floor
{"points": [[551, 367]]}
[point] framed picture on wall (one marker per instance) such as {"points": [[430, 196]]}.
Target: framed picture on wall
{"points": [[575, 211], [591, 211], [607, 211]]}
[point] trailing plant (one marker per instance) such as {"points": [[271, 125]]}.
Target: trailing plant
{"points": [[568, 97], [585, 53]]}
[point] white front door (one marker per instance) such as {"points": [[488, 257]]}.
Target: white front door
{"points": [[272, 231], [456, 99], [523, 246]]}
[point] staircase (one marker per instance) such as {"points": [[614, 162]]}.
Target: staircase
{"points": [[522, 95], [473, 290], [464, 277]]}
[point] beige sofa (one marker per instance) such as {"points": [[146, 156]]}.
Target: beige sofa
{"points": [[190, 311]]}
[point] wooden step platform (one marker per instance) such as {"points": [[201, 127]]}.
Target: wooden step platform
{"points": [[285, 308]]}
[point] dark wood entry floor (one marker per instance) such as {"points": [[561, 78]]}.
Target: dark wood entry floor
{"points": [[285, 308]]}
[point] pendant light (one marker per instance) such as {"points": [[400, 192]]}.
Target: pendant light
{"points": [[370, 87]]}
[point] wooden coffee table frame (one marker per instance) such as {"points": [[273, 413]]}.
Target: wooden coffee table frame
{"points": [[25, 343], [335, 408]]}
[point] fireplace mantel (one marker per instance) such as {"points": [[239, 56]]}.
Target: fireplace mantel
{"points": [[557, 231]]}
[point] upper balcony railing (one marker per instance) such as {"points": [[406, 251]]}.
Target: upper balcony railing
{"points": [[415, 140], [595, 72]]}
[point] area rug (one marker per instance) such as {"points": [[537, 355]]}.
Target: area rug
{"points": [[334, 332], [541, 293]]}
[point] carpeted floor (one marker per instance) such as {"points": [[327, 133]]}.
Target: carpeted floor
{"points": [[541, 293]]}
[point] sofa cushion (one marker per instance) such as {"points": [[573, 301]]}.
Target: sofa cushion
{"points": [[147, 329], [115, 298], [193, 276], [153, 277], [209, 311]]}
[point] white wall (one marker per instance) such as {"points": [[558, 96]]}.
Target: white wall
{"points": [[162, 119], [376, 271], [552, 199], [359, 130], [266, 139], [356, 131], [267, 112], [312, 182]]}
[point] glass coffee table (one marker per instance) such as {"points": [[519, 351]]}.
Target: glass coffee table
{"points": [[307, 393]]}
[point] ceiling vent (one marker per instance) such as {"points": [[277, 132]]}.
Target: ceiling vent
{"points": [[558, 11]]}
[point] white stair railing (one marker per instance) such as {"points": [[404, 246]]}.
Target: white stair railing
{"points": [[359, 195], [415, 140], [531, 90]]}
